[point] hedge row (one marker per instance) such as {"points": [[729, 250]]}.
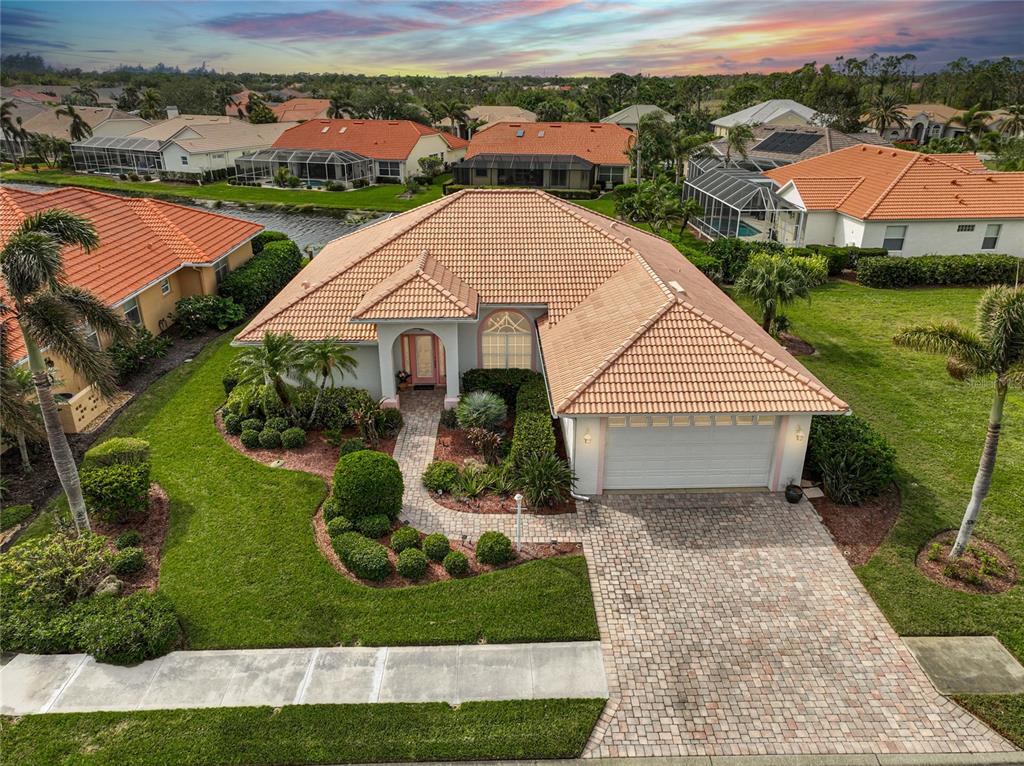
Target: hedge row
{"points": [[504, 383], [264, 238], [938, 270], [534, 434], [841, 257], [261, 277], [532, 396]]}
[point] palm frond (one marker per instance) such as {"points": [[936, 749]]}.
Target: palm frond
{"points": [[948, 338], [30, 261], [960, 369], [94, 311], [54, 324], [1001, 323], [17, 412], [67, 228]]}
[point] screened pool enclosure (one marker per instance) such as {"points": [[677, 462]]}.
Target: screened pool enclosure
{"points": [[117, 154], [741, 203], [543, 171], [312, 167]]}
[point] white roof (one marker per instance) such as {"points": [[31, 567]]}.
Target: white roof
{"points": [[631, 114], [766, 111]]}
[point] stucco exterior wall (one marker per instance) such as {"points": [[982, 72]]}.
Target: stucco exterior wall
{"points": [[820, 227], [942, 238], [426, 146], [200, 161]]}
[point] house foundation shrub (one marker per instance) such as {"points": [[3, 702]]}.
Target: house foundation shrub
{"points": [[938, 270], [363, 557], [137, 353], [441, 476], [368, 483], [54, 571], [852, 461], [375, 526], [456, 563], [494, 548], [436, 546], [116, 493], [403, 538], [532, 396], [503, 382], [412, 563], [262, 239], [534, 434], [250, 438], [198, 313], [480, 409]]}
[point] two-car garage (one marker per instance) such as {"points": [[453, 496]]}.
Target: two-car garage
{"points": [[663, 452]]}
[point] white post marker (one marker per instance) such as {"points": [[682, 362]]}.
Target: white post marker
{"points": [[519, 520]]}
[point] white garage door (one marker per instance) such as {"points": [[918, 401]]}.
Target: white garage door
{"points": [[689, 452]]}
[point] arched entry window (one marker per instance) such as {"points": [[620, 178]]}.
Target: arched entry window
{"points": [[506, 341]]}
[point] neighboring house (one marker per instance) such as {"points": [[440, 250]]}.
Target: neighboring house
{"points": [[928, 121], [29, 94], [658, 380], [104, 121], [349, 152], [489, 115], [548, 155], [151, 254], [780, 111], [775, 145], [239, 104], [21, 112], [54, 94], [907, 202], [301, 109], [629, 118], [202, 146]]}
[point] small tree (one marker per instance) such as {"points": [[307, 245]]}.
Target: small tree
{"points": [[322, 359], [259, 112], [689, 209], [737, 140], [269, 362], [19, 414], [886, 111], [995, 347], [771, 282], [431, 166]]}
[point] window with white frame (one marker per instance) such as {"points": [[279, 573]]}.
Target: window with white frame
{"points": [[611, 173], [184, 160], [506, 341], [165, 286], [991, 236], [389, 169], [220, 270], [131, 312], [894, 236]]}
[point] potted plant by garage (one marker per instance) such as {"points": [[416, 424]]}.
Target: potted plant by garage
{"points": [[794, 492], [403, 377]]}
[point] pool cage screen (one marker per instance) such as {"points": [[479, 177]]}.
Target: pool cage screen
{"points": [[314, 168], [114, 154], [539, 170]]}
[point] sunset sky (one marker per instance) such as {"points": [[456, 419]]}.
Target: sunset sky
{"points": [[543, 37]]}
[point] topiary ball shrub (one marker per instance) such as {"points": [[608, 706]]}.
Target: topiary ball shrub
{"points": [[363, 557], [250, 438], [129, 539], [117, 492], [128, 630], [128, 561], [493, 548], [480, 409], [404, 538], [368, 483], [339, 525], [441, 476], [374, 526], [436, 546], [412, 563], [233, 424], [270, 439], [277, 424], [456, 563], [252, 424], [293, 438]]}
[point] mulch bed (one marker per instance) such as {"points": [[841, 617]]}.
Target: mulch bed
{"points": [[796, 346], [316, 457], [970, 562], [435, 572], [453, 445], [859, 529], [153, 529]]}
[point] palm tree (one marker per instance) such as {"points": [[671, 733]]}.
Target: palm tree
{"points": [[341, 105], [79, 128], [85, 95], [50, 313], [1013, 123], [689, 209], [771, 282], [994, 347], [322, 359], [737, 140], [12, 130], [268, 364], [129, 99], [685, 147], [975, 121], [886, 111], [151, 104], [454, 111], [18, 414]]}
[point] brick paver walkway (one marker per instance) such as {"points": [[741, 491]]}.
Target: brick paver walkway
{"points": [[414, 450], [731, 625]]}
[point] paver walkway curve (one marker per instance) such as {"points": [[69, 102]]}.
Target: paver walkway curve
{"points": [[732, 625], [414, 451]]}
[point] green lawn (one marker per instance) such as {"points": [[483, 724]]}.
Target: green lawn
{"points": [[1003, 712], [242, 567], [384, 197], [304, 734], [937, 427], [604, 204]]}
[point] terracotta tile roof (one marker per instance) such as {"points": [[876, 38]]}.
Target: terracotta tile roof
{"points": [[301, 109], [30, 95], [631, 326], [141, 239], [901, 185], [377, 139], [454, 142], [598, 143]]}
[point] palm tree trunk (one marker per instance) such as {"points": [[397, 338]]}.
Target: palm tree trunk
{"points": [[63, 460], [316, 402], [766, 320], [26, 463], [983, 479]]}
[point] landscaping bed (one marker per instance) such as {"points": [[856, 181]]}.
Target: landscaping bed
{"points": [[983, 568], [859, 529], [152, 529]]}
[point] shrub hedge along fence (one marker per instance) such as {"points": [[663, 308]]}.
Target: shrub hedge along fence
{"points": [[260, 278], [939, 270]]}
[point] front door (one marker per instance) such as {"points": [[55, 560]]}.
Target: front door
{"points": [[423, 356]]}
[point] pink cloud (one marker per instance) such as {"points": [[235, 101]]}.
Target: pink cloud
{"points": [[317, 25]]}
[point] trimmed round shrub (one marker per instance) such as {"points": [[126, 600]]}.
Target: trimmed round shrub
{"points": [[331, 509], [349, 446], [252, 424], [852, 460], [456, 563], [403, 538], [368, 483], [480, 409], [363, 557], [412, 563], [250, 438], [117, 492], [493, 548], [277, 424], [128, 561], [270, 439], [436, 546], [121, 450], [233, 424], [339, 525], [374, 526], [441, 476], [131, 629], [130, 539], [229, 382], [293, 438]]}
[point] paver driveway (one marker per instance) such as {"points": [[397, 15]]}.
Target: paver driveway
{"points": [[731, 624]]}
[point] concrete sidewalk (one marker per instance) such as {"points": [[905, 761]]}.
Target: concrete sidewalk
{"points": [[62, 683]]}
